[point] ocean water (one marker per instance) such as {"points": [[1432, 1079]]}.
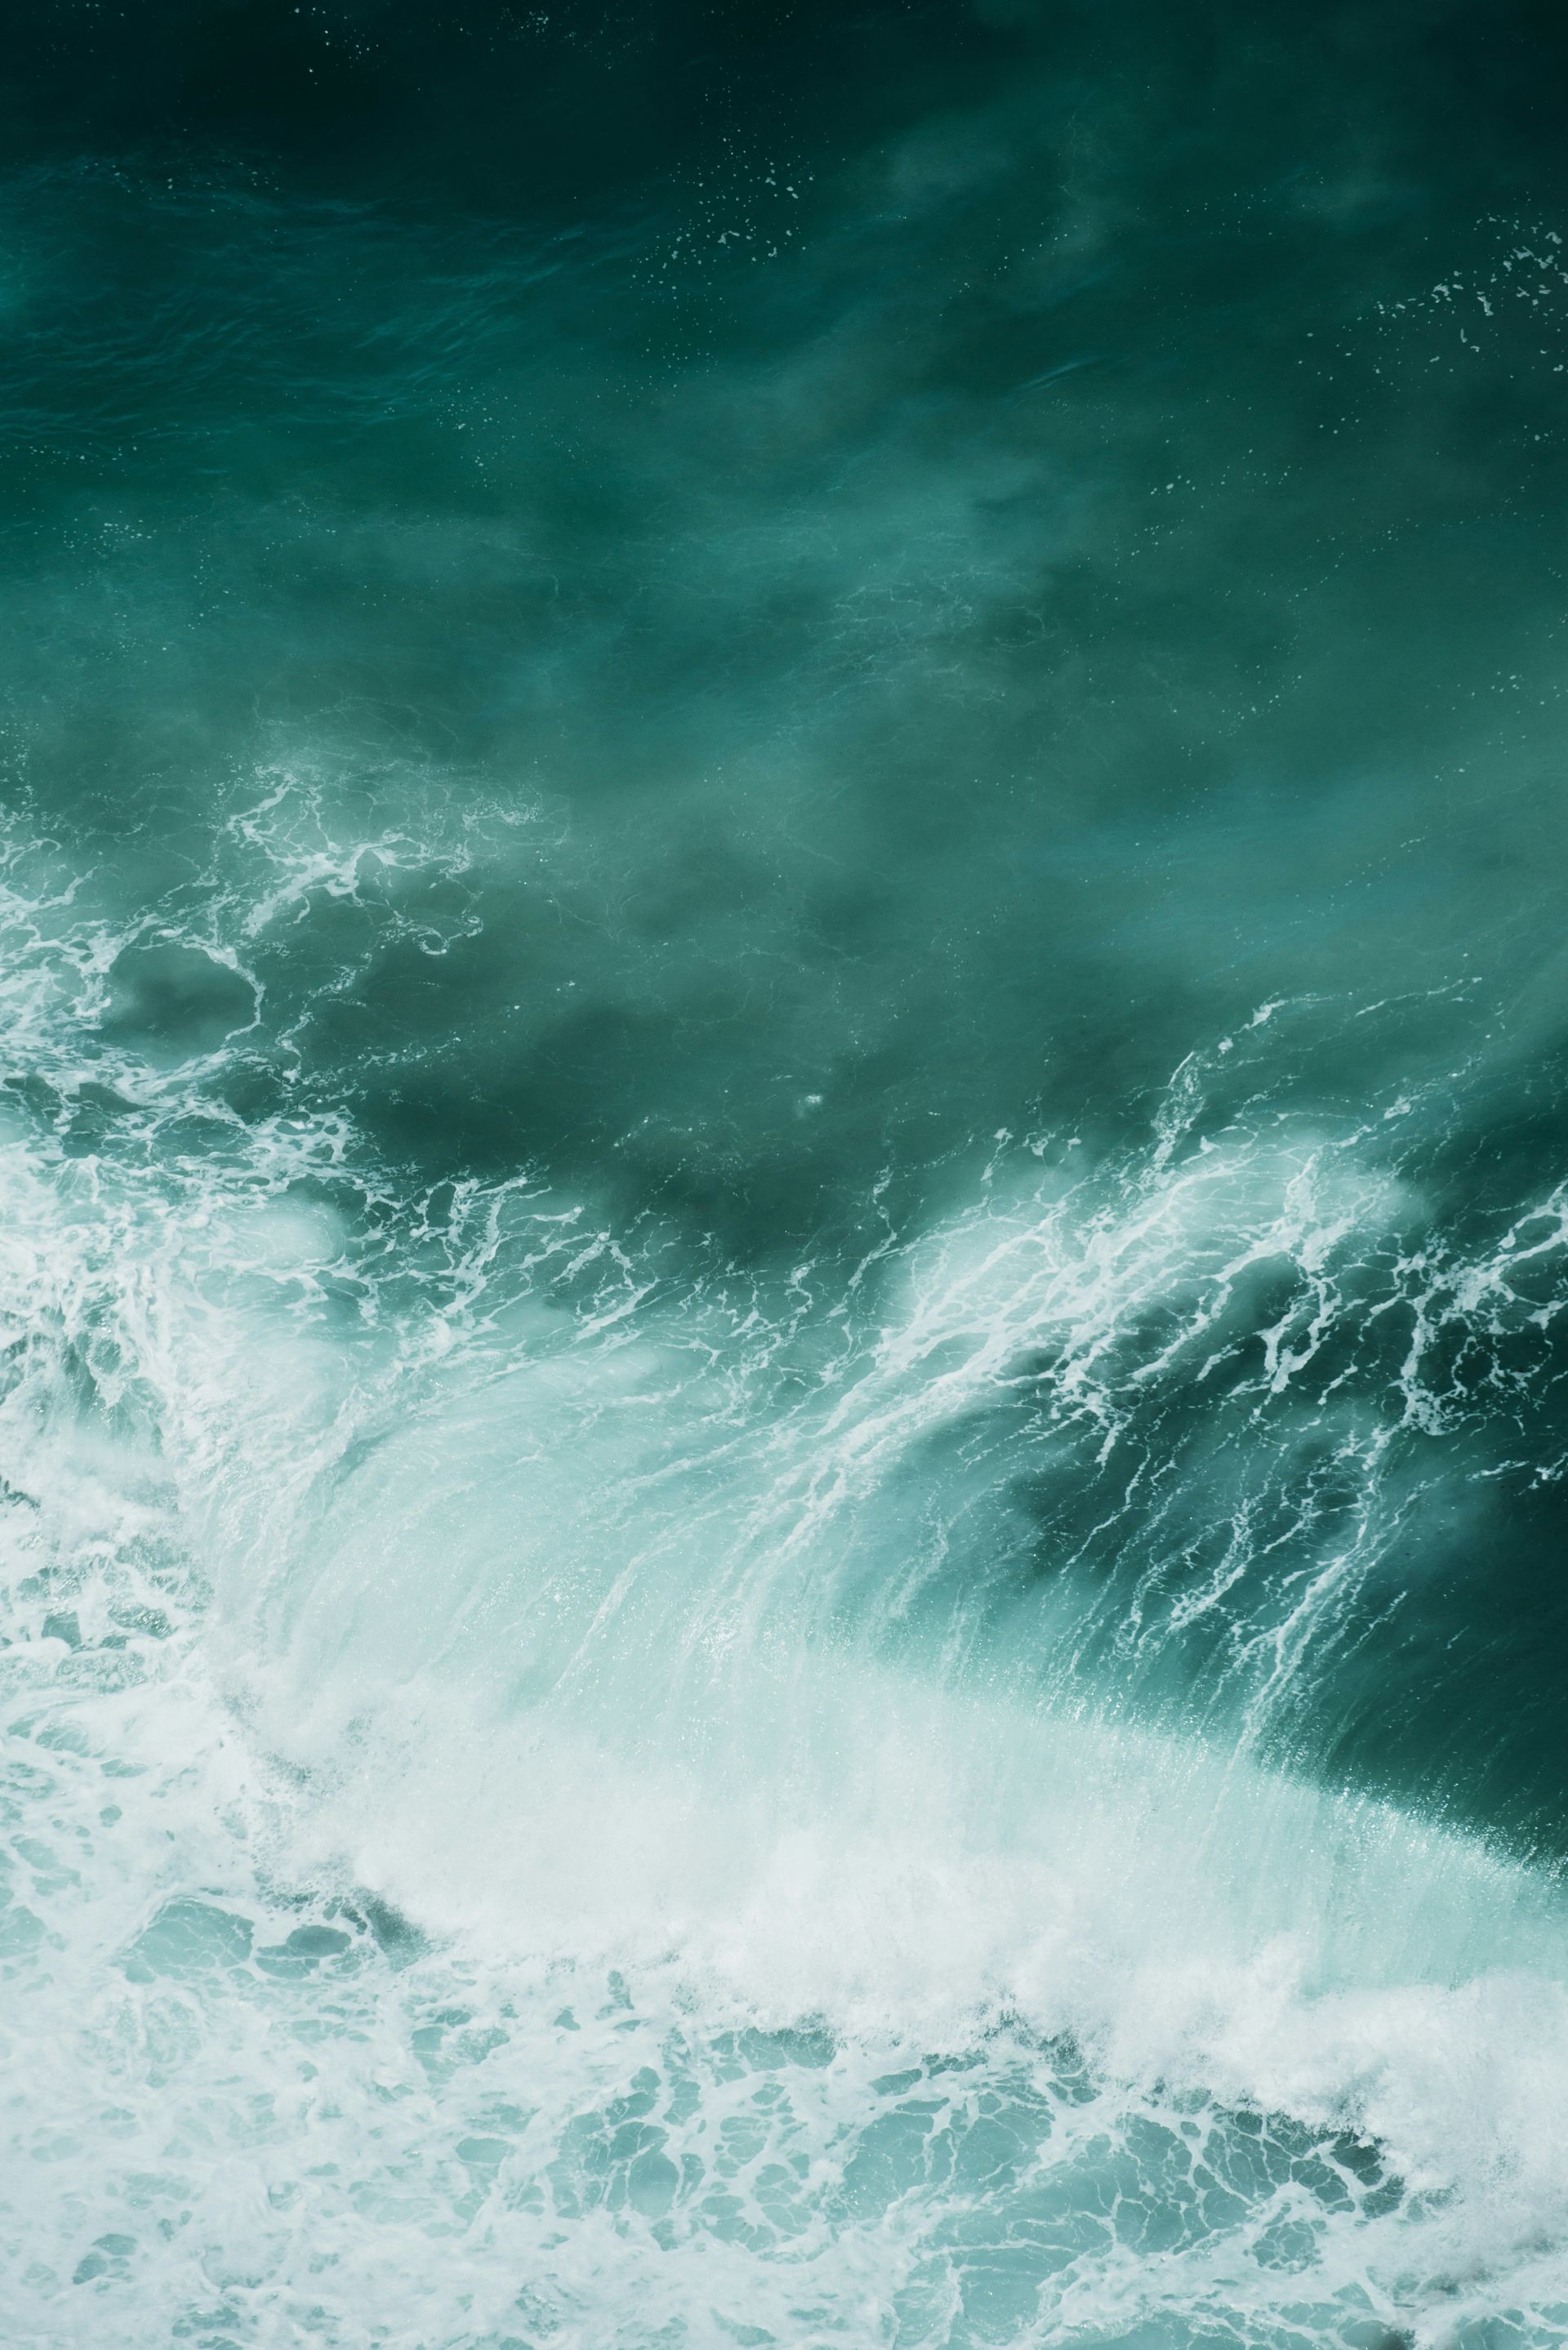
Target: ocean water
{"points": [[784, 1175]]}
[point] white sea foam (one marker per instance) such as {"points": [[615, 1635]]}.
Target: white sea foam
{"points": [[753, 1971]]}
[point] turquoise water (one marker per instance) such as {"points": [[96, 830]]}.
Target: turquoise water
{"points": [[785, 1190]]}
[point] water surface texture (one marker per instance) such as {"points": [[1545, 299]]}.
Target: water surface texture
{"points": [[785, 1186]]}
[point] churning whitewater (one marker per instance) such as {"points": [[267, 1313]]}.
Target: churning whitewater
{"points": [[549, 1799], [784, 1181]]}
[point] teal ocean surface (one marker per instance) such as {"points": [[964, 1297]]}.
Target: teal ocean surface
{"points": [[784, 1143]]}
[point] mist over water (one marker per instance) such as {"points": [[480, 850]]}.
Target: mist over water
{"points": [[786, 1198]]}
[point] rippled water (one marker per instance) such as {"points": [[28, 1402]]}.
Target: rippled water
{"points": [[786, 1202]]}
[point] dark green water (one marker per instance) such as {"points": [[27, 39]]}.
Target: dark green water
{"points": [[786, 1186]]}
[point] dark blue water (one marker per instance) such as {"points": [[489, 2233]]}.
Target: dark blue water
{"points": [[786, 1183]]}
